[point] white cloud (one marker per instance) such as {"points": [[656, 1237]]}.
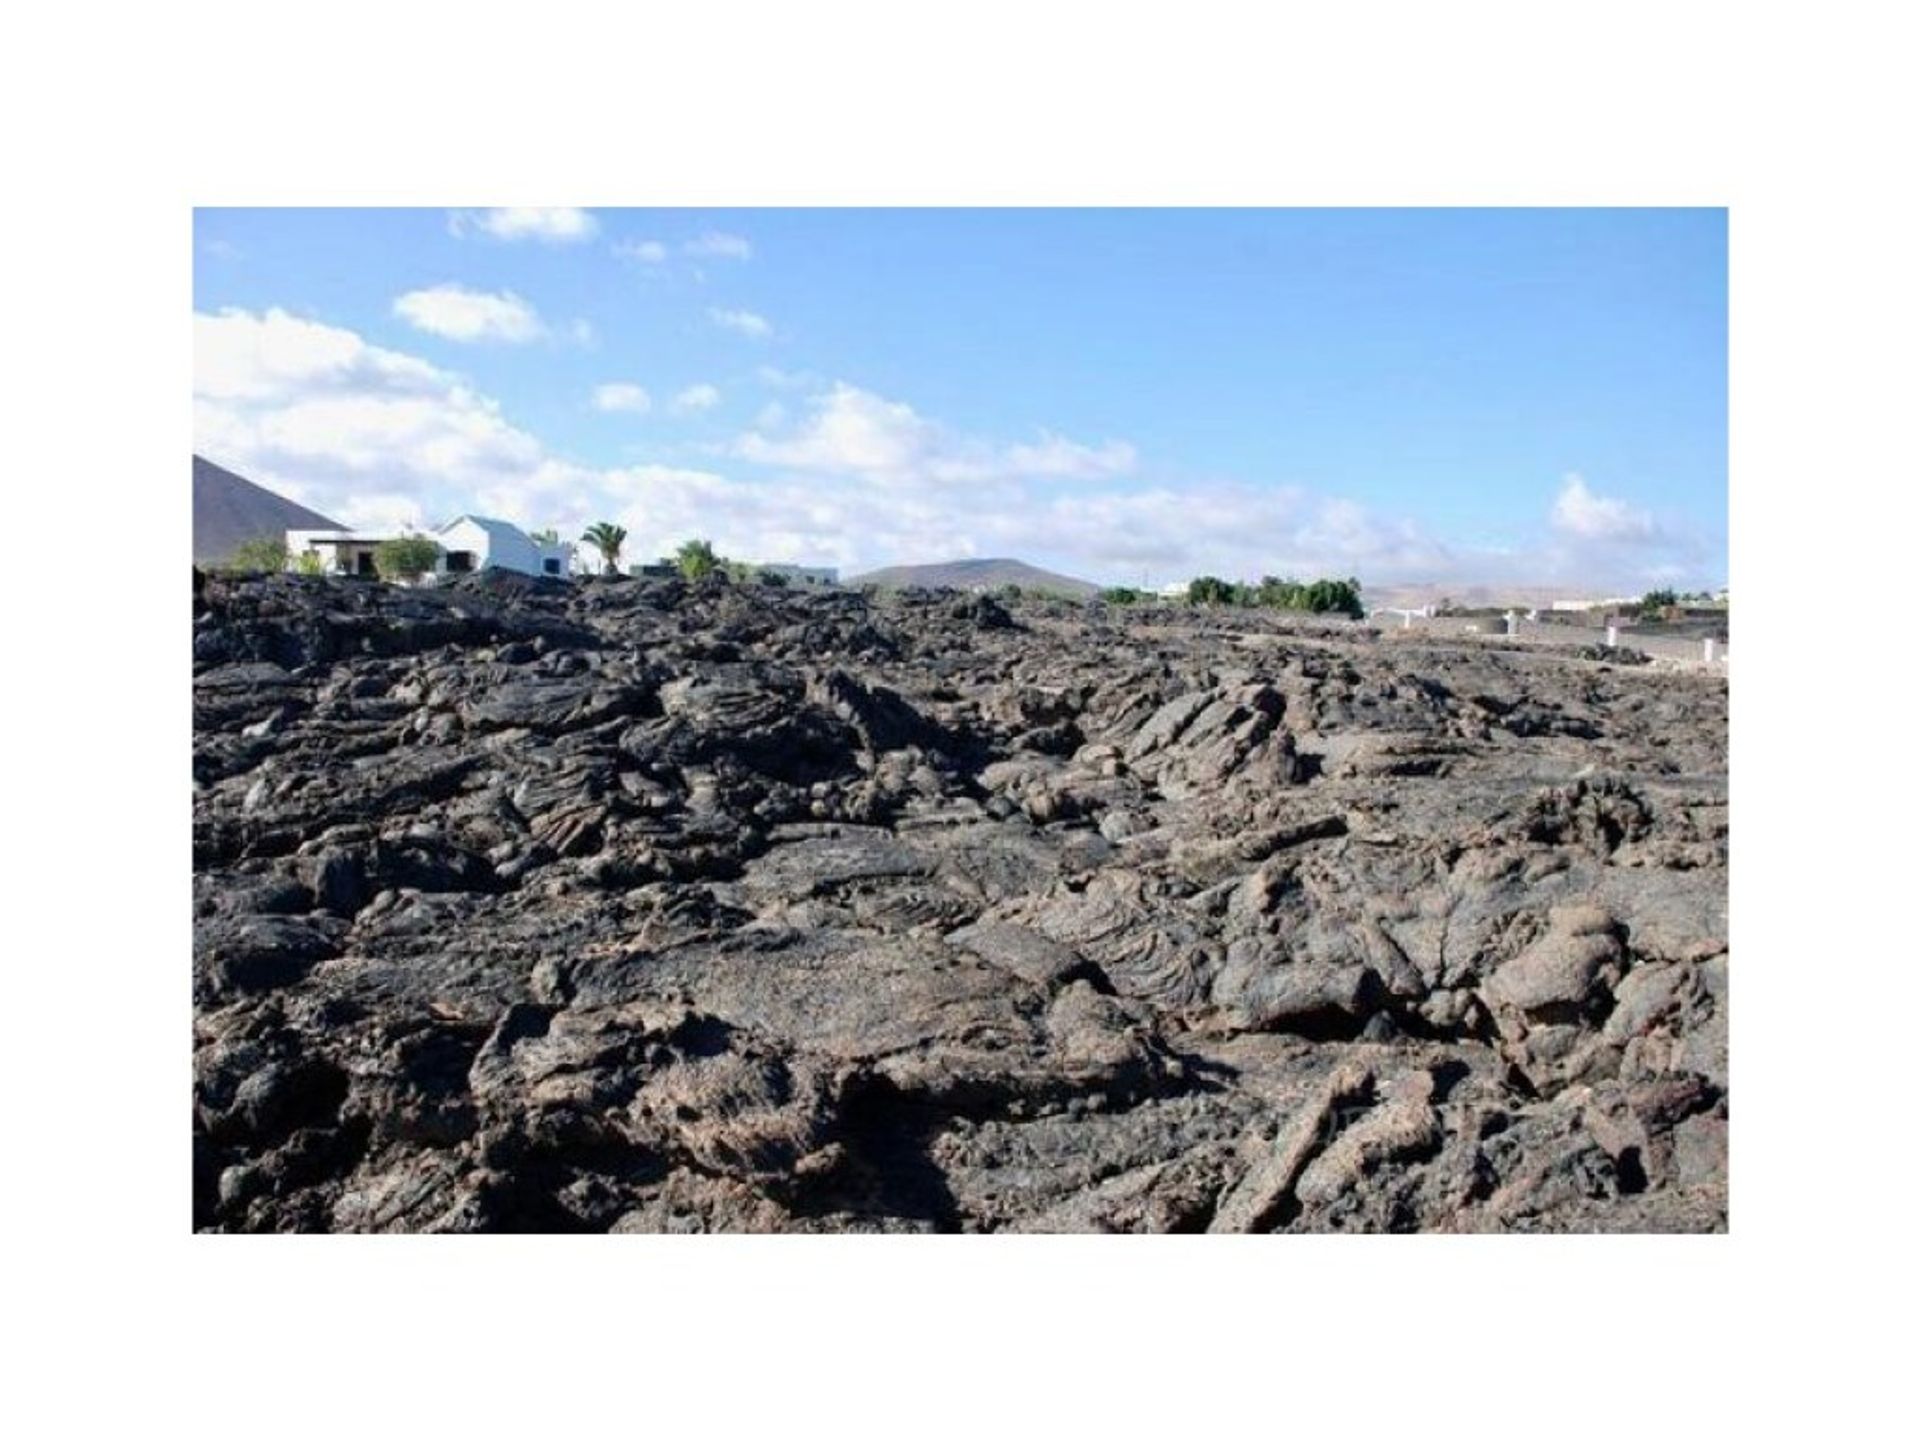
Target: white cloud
{"points": [[1605, 542], [715, 245], [850, 431], [376, 437], [552, 225], [1233, 530], [622, 396], [647, 252], [743, 321], [457, 313], [1065, 460], [695, 398], [360, 433], [238, 356], [1582, 515]]}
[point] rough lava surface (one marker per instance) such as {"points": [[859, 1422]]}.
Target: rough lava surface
{"points": [[640, 906]]}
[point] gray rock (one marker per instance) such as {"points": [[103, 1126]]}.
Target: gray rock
{"points": [[638, 906]]}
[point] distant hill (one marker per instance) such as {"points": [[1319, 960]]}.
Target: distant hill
{"points": [[228, 511], [975, 575]]}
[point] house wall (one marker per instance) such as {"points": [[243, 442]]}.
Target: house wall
{"points": [[331, 555], [503, 547], [463, 534]]}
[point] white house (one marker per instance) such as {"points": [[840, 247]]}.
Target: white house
{"points": [[472, 542]]}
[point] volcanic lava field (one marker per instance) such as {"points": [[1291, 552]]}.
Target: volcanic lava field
{"points": [[651, 906]]}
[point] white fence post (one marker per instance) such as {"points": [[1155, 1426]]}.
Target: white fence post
{"points": [[1513, 623], [1709, 652], [1613, 637]]}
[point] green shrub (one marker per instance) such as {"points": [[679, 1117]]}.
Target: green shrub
{"points": [[310, 563], [697, 560], [266, 553], [1322, 597], [1340, 597], [1654, 602], [407, 558], [1121, 595]]}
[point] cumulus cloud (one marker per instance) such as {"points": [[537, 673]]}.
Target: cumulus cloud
{"points": [[1605, 542], [744, 322], [1580, 514], [847, 477], [1234, 530], [646, 252], [239, 356], [361, 433], [551, 225], [1063, 459], [716, 245], [696, 398], [850, 431], [457, 313], [622, 396]]}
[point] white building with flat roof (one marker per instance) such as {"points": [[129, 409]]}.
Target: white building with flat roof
{"points": [[339, 552]]}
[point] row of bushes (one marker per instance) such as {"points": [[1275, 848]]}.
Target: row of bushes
{"points": [[408, 557], [1321, 597]]}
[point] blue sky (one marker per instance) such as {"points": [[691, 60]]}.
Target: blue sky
{"points": [[1407, 395]]}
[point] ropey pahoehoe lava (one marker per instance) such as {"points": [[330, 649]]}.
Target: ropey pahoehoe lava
{"points": [[646, 905]]}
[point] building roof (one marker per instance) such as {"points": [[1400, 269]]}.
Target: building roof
{"points": [[498, 529], [228, 511]]}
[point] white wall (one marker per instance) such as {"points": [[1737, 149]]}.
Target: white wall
{"points": [[299, 541], [501, 546]]}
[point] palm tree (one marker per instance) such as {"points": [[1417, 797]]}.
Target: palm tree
{"points": [[607, 539], [697, 559]]}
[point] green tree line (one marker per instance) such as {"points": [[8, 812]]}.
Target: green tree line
{"points": [[1318, 597]]}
